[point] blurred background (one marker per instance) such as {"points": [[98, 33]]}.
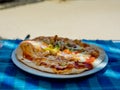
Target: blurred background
{"points": [[13, 3], [82, 19]]}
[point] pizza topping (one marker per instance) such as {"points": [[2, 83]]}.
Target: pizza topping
{"points": [[51, 49], [88, 65], [79, 65], [27, 56], [83, 57], [90, 60], [92, 51]]}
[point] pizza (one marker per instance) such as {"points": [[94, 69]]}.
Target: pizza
{"points": [[59, 55]]}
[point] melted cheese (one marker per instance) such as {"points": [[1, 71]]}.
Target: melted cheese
{"points": [[38, 44], [65, 55], [81, 57]]}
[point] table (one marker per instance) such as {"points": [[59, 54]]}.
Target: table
{"points": [[11, 77]]}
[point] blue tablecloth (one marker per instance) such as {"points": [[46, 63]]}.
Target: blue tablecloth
{"points": [[11, 77]]}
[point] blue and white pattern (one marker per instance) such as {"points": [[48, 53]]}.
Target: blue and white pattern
{"points": [[11, 77]]}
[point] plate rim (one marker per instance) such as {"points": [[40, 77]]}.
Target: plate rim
{"points": [[57, 76]]}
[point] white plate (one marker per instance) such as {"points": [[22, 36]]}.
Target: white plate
{"points": [[49, 75]]}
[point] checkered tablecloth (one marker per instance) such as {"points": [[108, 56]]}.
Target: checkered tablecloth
{"points": [[11, 77]]}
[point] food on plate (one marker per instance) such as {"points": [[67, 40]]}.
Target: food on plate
{"points": [[59, 55]]}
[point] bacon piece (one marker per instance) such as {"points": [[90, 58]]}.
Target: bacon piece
{"points": [[79, 65], [70, 66], [27, 56], [89, 66]]}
